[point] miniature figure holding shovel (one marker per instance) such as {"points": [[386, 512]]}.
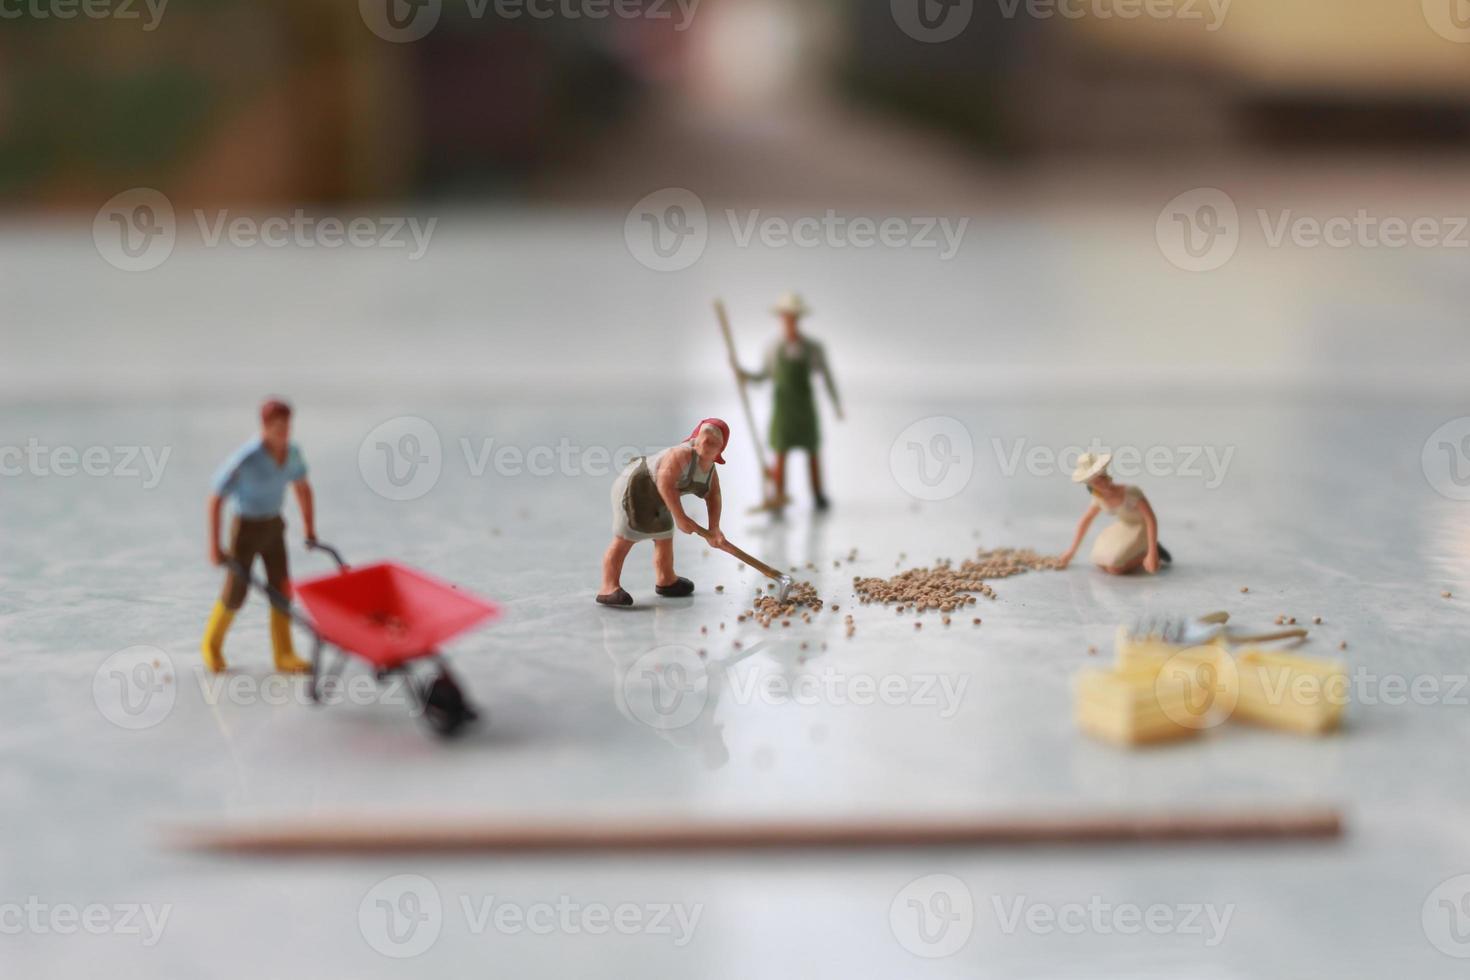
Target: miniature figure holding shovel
{"points": [[647, 507], [1131, 543], [789, 366]]}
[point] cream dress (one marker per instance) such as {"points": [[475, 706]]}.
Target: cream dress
{"points": [[1126, 540]]}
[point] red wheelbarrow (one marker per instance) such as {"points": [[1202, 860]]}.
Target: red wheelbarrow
{"points": [[392, 617]]}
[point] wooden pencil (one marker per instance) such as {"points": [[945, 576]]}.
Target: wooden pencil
{"points": [[389, 835]]}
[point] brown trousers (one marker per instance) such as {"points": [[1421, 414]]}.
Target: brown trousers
{"points": [[265, 537]]}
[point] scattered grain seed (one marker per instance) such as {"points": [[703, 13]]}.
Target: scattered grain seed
{"points": [[1342, 645], [1445, 595], [1245, 588], [1317, 620]]}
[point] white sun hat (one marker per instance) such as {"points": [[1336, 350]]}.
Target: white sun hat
{"points": [[791, 303], [1090, 465]]}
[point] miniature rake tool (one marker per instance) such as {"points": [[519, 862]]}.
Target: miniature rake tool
{"points": [[770, 499], [783, 581]]}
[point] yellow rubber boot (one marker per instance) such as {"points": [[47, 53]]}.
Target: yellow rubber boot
{"points": [[213, 645], [286, 660]]}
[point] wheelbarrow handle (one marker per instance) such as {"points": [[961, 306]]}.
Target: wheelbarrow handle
{"points": [[315, 545]]}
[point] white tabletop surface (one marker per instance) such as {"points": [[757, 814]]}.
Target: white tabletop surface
{"points": [[1319, 497]]}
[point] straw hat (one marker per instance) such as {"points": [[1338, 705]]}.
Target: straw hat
{"points": [[1090, 465], [791, 303]]}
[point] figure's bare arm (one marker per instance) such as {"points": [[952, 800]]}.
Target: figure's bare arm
{"points": [[825, 370], [307, 502], [1082, 527]]}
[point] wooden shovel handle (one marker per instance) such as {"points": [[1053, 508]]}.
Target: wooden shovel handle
{"points": [[750, 560]]}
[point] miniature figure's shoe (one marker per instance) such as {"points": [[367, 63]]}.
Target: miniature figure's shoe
{"points": [[679, 588], [1164, 556], [286, 660], [618, 597], [213, 644], [823, 503]]}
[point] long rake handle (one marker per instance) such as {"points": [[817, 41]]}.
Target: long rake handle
{"points": [[750, 560], [760, 451]]}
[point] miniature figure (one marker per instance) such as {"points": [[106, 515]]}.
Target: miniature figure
{"points": [[1132, 542], [794, 421], [646, 507], [254, 478]]}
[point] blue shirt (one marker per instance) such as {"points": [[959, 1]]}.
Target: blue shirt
{"points": [[251, 478]]}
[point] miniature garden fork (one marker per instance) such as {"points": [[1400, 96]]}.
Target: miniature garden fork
{"points": [[1193, 632]]}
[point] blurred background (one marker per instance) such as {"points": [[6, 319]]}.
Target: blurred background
{"points": [[533, 131], [263, 104]]}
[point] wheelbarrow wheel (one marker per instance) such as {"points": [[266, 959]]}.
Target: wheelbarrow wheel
{"points": [[444, 707]]}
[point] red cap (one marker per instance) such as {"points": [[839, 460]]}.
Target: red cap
{"points": [[718, 424]]}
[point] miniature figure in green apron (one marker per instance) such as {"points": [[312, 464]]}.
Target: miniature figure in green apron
{"points": [[794, 422]]}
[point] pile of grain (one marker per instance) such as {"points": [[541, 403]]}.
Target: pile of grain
{"points": [[801, 594], [945, 587]]}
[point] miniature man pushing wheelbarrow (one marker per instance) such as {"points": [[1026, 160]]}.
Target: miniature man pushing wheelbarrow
{"points": [[254, 479]]}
